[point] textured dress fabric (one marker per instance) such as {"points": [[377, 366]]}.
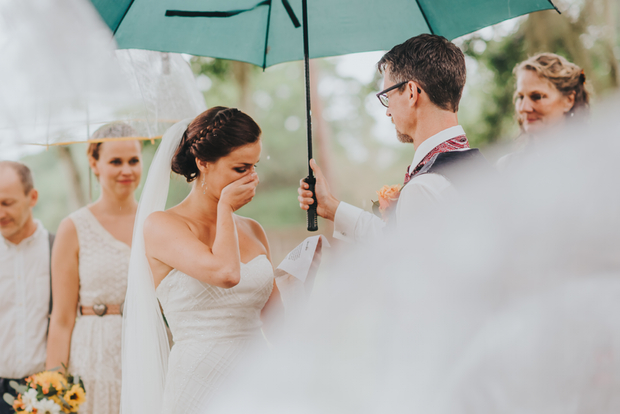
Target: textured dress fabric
{"points": [[212, 329], [96, 341]]}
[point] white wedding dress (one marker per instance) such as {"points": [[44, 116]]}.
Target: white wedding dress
{"points": [[212, 328]]}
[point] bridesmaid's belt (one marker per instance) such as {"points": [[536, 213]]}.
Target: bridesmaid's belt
{"points": [[101, 309]]}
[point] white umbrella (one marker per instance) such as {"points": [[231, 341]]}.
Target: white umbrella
{"points": [[61, 77]]}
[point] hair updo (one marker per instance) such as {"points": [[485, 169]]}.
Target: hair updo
{"points": [[112, 130], [564, 75], [213, 134]]}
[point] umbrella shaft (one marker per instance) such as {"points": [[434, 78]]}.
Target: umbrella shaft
{"points": [[307, 75]]}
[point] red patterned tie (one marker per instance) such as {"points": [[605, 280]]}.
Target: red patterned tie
{"points": [[455, 143]]}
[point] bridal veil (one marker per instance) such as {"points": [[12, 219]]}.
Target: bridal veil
{"points": [[145, 342]]}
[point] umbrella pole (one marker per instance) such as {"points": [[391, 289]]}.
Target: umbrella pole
{"points": [[312, 215]]}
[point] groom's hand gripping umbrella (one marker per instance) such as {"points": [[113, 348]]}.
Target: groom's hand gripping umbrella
{"points": [[265, 33]]}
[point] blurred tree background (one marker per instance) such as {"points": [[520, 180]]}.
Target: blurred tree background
{"points": [[354, 141]]}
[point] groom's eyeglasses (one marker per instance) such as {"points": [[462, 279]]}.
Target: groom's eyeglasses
{"points": [[383, 98]]}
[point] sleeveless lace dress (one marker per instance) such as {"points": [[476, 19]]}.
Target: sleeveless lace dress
{"points": [[96, 341], [212, 328]]}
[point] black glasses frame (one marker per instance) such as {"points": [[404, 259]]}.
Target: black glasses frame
{"points": [[382, 96]]}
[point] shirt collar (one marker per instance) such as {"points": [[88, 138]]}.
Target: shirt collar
{"points": [[37, 233], [428, 145]]}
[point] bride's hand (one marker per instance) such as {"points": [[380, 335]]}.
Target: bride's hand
{"points": [[240, 192]]}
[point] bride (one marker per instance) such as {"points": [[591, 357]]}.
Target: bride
{"points": [[209, 268]]}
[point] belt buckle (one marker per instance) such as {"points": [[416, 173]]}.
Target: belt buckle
{"points": [[100, 309]]}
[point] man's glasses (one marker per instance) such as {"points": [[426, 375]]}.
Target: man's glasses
{"points": [[383, 98]]}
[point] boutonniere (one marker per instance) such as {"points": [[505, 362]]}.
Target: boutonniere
{"points": [[388, 196]]}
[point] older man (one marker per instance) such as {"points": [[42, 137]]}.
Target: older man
{"points": [[24, 279], [423, 82]]}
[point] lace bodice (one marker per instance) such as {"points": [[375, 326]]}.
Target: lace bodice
{"points": [[96, 341], [197, 311], [103, 261]]}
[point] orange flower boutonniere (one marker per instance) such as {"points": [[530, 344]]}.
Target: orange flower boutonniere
{"points": [[388, 196]]}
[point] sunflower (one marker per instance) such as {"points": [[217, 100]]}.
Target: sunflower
{"points": [[63, 406], [75, 396]]}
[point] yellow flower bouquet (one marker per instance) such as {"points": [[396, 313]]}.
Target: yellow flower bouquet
{"points": [[48, 392]]}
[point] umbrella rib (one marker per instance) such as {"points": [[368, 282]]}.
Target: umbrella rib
{"points": [[425, 18], [267, 37], [556, 9], [123, 18]]}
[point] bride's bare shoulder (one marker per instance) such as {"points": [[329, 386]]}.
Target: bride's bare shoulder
{"points": [[164, 222], [252, 227]]}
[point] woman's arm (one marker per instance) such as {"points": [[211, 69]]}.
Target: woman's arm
{"points": [[272, 314], [168, 240], [170, 244], [65, 292]]}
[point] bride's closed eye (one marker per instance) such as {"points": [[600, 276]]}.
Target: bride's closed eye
{"points": [[242, 170]]}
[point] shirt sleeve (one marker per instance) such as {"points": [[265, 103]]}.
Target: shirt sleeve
{"points": [[354, 224], [421, 195]]}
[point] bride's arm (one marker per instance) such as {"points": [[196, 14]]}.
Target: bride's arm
{"points": [[170, 241], [272, 314]]}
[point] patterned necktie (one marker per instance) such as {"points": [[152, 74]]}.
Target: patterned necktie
{"points": [[456, 143]]}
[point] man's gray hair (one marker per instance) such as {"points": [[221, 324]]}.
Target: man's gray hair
{"points": [[23, 172]]}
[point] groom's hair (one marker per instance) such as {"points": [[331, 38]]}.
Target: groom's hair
{"points": [[434, 62], [213, 134]]}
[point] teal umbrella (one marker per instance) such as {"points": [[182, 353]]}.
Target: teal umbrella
{"points": [[268, 32]]}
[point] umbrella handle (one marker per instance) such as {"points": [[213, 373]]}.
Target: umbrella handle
{"points": [[312, 216]]}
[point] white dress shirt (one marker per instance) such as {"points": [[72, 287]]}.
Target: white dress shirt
{"points": [[24, 304], [422, 192]]}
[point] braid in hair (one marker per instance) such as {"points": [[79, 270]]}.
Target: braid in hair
{"points": [[212, 135], [183, 162]]}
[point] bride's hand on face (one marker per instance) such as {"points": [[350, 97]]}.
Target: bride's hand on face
{"points": [[240, 192]]}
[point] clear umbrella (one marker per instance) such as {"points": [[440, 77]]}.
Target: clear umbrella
{"points": [[62, 77]]}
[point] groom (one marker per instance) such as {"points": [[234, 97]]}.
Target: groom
{"points": [[423, 83]]}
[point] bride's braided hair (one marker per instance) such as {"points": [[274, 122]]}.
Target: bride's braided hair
{"points": [[211, 136]]}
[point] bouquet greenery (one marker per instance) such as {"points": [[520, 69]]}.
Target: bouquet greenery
{"points": [[48, 392]]}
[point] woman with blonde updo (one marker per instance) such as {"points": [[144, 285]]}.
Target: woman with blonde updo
{"points": [[90, 262], [549, 91]]}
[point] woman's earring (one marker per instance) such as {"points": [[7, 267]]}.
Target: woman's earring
{"points": [[204, 189]]}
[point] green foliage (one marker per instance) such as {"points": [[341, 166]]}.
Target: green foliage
{"points": [[495, 118], [8, 398]]}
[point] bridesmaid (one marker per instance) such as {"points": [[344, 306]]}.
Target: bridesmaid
{"points": [[90, 262]]}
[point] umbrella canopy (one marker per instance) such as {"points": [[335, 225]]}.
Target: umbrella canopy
{"points": [[266, 32]]}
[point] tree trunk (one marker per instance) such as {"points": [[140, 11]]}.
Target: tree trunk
{"points": [[77, 198], [320, 129], [610, 10], [321, 138], [241, 73]]}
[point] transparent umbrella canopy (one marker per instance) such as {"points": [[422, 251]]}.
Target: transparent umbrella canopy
{"points": [[61, 77]]}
